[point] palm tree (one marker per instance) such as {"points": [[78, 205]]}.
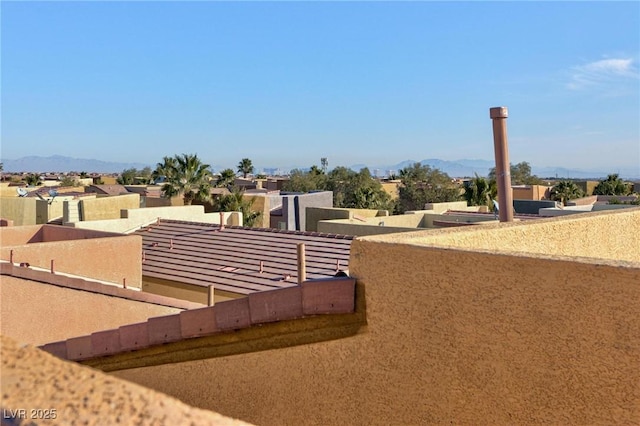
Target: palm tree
{"points": [[478, 191], [237, 202], [227, 176], [165, 169], [245, 167], [187, 176], [564, 191]]}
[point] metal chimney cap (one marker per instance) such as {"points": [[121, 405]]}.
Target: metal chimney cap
{"points": [[498, 112]]}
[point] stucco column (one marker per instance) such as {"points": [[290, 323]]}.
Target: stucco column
{"points": [[503, 168]]}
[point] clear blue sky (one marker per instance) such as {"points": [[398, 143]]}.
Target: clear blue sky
{"points": [[286, 83]]}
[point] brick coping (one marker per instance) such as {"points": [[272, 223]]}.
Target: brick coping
{"points": [[311, 298]]}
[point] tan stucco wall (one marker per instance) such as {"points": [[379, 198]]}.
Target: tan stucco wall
{"points": [[133, 219], [21, 210], [602, 235], [315, 214], [39, 313], [107, 259], [452, 336], [531, 192], [108, 207], [183, 291], [260, 204]]}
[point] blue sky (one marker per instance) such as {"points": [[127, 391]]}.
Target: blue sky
{"points": [[286, 83]]}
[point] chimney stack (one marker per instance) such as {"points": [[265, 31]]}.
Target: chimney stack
{"points": [[503, 168]]}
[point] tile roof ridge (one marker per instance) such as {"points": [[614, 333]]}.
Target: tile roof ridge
{"points": [[270, 230]]}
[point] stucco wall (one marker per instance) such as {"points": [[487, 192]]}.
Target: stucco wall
{"points": [[315, 214], [602, 235], [18, 235], [29, 315], [21, 210], [107, 259], [135, 218], [453, 336], [108, 207], [183, 291]]}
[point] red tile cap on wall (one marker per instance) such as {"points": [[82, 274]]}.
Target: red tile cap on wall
{"points": [[134, 336], [79, 348], [233, 314], [328, 296], [198, 322], [58, 349], [105, 342], [164, 329], [275, 305]]}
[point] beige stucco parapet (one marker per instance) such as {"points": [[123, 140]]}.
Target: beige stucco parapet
{"points": [[38, 388]]}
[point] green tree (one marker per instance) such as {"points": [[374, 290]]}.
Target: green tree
{"points": [[127, 177], [300, 181], [32, 179], [612, 185], [68, 181], [564, 191], [226, 178], [357, 190], [83, 175], [520, 174], [188, 177], [422, 185], [324, 163], [236, 201], [479, 192], [245, 166]]}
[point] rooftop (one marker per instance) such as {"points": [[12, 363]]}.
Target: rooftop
{"points": [[237, 259]]}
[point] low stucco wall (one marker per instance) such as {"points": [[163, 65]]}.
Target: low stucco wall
{"points": [[316, 214], [91, 257], [133, 219], [453, 335], [599, 235], [29, 316], [108, 207], [18, 235]]}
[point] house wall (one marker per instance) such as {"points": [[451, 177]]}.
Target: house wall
{"points": [[294, 207], [29, 316], [260, 204], [18, 235], [21, 210], [108, 207], [453, 335], [531, 192], [183, 291], [91, 257]]}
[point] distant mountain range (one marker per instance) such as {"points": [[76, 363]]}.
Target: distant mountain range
{"points": [[458, 168], [59, 163]]}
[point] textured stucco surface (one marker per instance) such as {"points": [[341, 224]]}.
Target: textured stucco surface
{"points": [[69, 394], [38, 313], [108, 207], [84, 253], [452, 336], [19, 209], [602, 235]]}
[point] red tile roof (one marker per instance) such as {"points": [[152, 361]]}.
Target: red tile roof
{"points": [[230, 258]]}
